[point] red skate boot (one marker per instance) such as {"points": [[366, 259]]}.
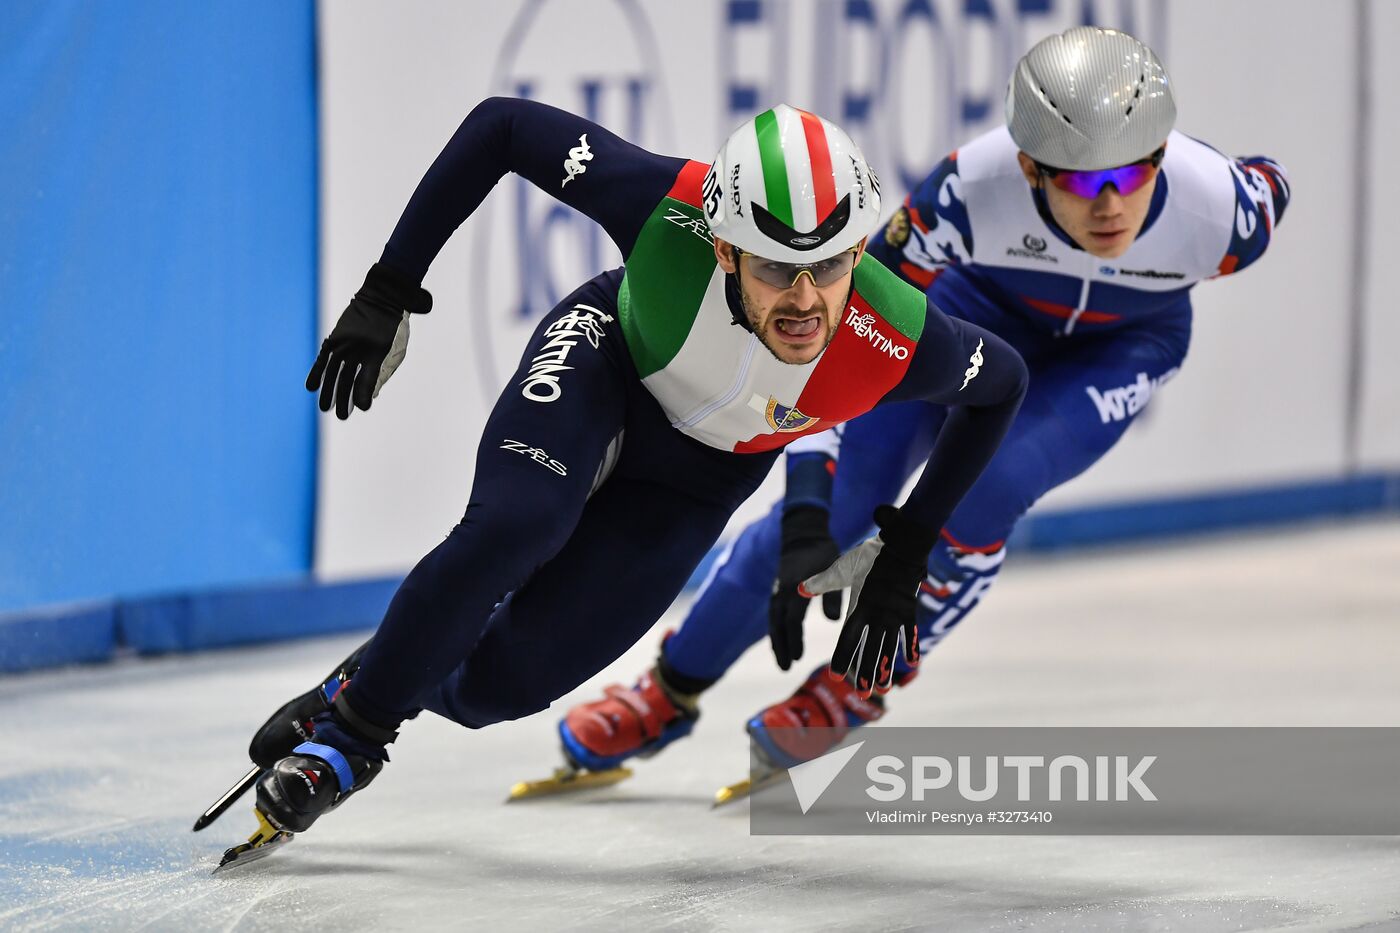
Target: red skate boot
{"points": [[598, 737], [637, 721], [814, 720]]}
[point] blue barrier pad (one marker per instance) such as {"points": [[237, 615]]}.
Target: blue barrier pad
{"points": [[270, 612], [304, 607], [58, 635], [1215, 511]]}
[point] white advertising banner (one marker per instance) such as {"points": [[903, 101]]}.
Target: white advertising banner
{"points": [[1262, 398]]}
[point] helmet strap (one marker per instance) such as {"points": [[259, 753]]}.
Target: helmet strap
{"points": [[734, 297]]}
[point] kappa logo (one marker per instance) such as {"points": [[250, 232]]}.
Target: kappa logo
{"points": [[976, 360], [537, 455], [582, 322], [573, 165], [864, 326], [694, 224]]}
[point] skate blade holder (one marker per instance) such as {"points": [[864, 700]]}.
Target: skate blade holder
{"points": [[565, 780], [265, 840], [739, 790]]}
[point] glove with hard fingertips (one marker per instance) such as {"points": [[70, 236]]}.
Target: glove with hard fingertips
{"points": [[883, 574]]}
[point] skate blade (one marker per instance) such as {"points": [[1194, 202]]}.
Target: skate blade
{"points": [[265, 840], [732, 793], [567, 780], [228, 799]]}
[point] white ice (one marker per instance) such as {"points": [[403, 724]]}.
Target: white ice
{"points": [[104, 769]]}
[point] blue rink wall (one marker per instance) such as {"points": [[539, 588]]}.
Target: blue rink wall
{"points": [[158, 308], [297, 608], [158, 255]]}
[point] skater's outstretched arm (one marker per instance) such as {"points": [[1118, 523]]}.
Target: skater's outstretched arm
{"points": [[982, 380], [569, 158], [576, 161]]}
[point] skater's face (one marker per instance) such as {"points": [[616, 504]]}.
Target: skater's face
{"points": [[795, 322], [1105, 224]]}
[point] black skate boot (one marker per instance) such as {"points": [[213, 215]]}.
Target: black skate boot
{"points": [[318, 776], [285, 730], [294, 722]]}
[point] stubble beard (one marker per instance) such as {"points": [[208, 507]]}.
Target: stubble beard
{"points": [[760, 330]]}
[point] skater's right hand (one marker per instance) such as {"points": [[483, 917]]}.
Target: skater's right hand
{"points": [[807, 548], [368, 342]]}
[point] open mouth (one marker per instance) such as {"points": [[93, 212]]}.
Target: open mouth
{"points": [[798, 329]]}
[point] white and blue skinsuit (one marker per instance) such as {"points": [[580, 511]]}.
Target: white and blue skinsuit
{"points": [[1099, 336]]}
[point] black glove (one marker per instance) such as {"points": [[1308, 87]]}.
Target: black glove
{"points": [[807, 548], [368, 342], [883, 573]]}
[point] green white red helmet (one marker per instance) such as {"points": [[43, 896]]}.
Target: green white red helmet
{"points": [[790, 186]]}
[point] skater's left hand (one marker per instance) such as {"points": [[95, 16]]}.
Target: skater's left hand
{"points": [[883, 574], [368, 342], [807, 548]]}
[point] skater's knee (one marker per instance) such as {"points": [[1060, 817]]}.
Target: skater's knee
{"points": [[751, 561], [478, 704], [536, 526], [959, 575]]}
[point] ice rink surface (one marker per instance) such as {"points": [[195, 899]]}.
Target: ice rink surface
{"points": [[105, 768]]}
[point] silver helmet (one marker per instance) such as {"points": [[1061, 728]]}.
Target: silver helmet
{"points": [[1089, 99]]}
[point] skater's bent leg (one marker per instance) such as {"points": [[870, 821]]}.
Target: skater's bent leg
{"points": [[635, 547], [881, 450], [1059, 433], [539, 455], [731, 611]]}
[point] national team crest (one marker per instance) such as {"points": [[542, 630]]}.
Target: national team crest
{"points": [[782, 418], [897, 230]]}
